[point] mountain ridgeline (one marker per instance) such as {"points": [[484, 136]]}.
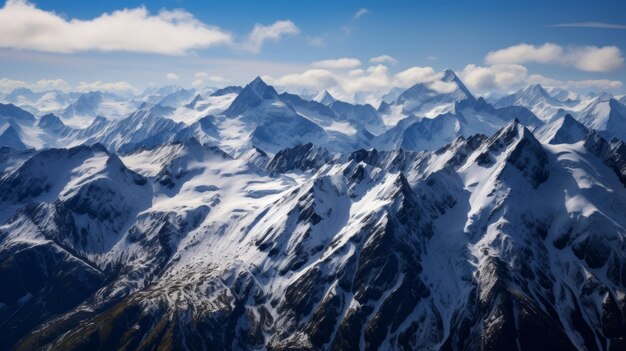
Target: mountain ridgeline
{"points": [[245, 218]]}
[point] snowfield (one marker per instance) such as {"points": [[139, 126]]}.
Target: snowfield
{"points": [[245, 219]]}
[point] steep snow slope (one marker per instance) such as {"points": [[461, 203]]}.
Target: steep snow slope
{"points": [[324, 98], [535, 98], [500, 242], [88, 106], [240, 119], [606, 115]]}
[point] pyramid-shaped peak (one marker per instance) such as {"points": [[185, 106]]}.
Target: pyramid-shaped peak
{"points": [[513, 124], [258, 82], [252, 95], [11, 138], [263, 90], [50, 121], [564, 130], [513, 130], [536, 89], [325, 98], [568, 119], [325, 94]]}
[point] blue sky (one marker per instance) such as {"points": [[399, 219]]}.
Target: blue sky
{"points": [[433, 34]]}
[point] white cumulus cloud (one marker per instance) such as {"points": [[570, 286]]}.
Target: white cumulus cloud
{"points": [[171, 76], [313, 79], [7, 84], [585, 58], [362, 85], [414, 75], [24, 26], [510, 77]]}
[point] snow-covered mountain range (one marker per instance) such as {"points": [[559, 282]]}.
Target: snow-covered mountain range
{"points": [[246, 218]]}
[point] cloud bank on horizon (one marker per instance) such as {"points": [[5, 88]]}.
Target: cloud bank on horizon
{"points": [[24, 27]]}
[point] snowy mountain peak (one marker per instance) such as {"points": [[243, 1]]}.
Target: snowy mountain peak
{"points": [[87, 101], [10, 112], [384, 107], [251, 96], [533, 94], [194, 102], [302, 157], [52, 123], [562, 94], [535, 90], [535, 98], [512, 133], [565, 130], [514, 127], [324, 98], [85, 106], [434, 97], [227, 90], [451, 77], [11, 138], [262, 89]]}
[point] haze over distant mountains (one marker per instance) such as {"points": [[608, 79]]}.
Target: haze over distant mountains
{"points": [[247, 218], [418, 118]]}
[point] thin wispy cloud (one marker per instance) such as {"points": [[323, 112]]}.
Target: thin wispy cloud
{"points": [[384, 59], [360, 13], [340, 63], [274, 32], [316, 41], [202, 78], [601, 25], [119, 87]]}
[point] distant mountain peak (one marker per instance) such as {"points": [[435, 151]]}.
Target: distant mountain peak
{"points": [[449, 75], [12, 112], [11, 138], [536, 89], [259, 86], [325, 98], [427, 94], [227, 90], [193, 102], [51, 122], [565, 130], [251, 96]]}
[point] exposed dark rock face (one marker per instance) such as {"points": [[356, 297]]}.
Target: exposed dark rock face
{"points": [[488, 243]]}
